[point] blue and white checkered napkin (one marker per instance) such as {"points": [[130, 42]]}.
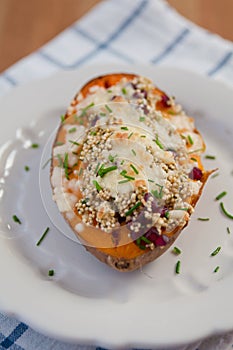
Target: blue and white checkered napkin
{"points": [[144, 31]]}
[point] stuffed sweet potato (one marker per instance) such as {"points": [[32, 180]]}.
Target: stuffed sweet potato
{"points": [[126, 170]]}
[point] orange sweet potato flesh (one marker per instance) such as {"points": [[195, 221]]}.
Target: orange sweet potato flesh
{"points": [[129, 256]]}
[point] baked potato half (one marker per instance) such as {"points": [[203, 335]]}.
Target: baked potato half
{"points": [[126, 169]]}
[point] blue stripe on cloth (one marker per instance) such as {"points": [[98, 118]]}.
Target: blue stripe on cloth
{"points": [[103, 45], [9, 79], [225, 59], [171, 46], [15, 334], [93, 40]]}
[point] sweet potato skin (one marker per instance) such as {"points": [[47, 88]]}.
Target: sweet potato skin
{"points": [[113, 257]]}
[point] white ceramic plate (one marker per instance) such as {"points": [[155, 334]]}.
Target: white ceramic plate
{"points": [[86, 301]]}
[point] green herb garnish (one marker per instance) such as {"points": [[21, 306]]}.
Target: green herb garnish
{"points": [[221, 195], [216, 251], [133, 151], [97, 185], [62, 118], [190, 140], [214, 175], [103, 171], [143, 136], [158, 143], [108, 108], [167, 214], [123, 181], [84, 110], [185, 209], [74, 143], [112, 158], [210, 157], [16, 219], [134, 169], [80, 172], [178, 267], [124, 91], [136, 206], [157, 194], [194, 159], [60, 161], [103, 114], [176, 251], [109, 91], [72, 130], [142, 119], [66, 166], [216, 269], [131, 134], [228, 230], [35, 145], [196, 150], [124, 128], [225, 212], [26, 168], [150, 180], [203, 219], [58, 143], [51, 273], [124, 173], [122, 162], [43, 236]]}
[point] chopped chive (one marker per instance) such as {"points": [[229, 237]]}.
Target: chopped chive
{"points": [[185, 209], [112, 158], [108, 108], [157, 194], [97, 186], [134, 169], [158, 143], [210, 157], [124, 91], [43, 236], [225, 212], [203, 219], [84, 110], [72, 130], [194, 159], [178, 267], [123, 181], [80, 172], [75, 153], [145, 239], [58, 143], [51, 273], [124, 128], [60, 161], [221, 195], [65, 166], [214, 175], [122, 162], [26, 168], [167, 214], [102, 114], [124, 173], [196, 150], [228, 230], [216, 251], [74, 143], [16, 219], [143, 136], [133, 151], [103, 171], [190, 140], [216, 269], [150, 180], [62, 118], [176, 251], [142, 119], [93, 133], [47, 162], [130, 211], [35, 145], [131, 134], [109, 91], [97, 167]]}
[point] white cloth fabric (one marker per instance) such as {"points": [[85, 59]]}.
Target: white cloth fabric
{"points": [[148, 31]]}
